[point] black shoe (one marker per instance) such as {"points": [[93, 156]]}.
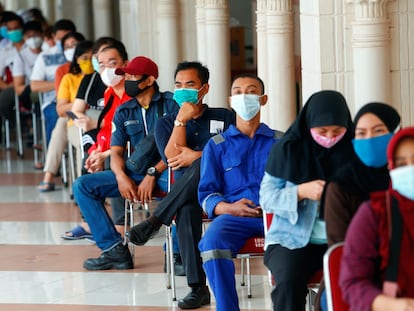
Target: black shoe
{"points": [[199, 296], [118, 257], [178, 265], [141, 233]]}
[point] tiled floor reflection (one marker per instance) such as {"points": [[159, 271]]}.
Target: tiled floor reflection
{"points": [[39, 270]]}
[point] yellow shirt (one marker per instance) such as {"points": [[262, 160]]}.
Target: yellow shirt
{"points": [[68, 87]]}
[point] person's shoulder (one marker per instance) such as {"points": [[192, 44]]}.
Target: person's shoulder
{"points": [[129, 104], [167, 95]]}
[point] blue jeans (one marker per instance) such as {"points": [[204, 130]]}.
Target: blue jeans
{"points": [[50, 118], [90, 192]]}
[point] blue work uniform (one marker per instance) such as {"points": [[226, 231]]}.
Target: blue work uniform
{"points": [[232, 167]]}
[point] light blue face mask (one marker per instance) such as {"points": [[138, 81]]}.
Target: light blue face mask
{"points": [[186, 95], [402, 179], [372, 151], [95, 64], [3, 32], [15, 36]]}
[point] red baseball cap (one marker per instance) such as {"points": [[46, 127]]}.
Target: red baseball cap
{"points": [[140, 65]]}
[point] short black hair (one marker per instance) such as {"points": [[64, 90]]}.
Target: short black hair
{"points": [[203, 72], [252, 76], [32, 26], [8, 16], [120, 47], [64, 24], [102, 41], [76, 35]]}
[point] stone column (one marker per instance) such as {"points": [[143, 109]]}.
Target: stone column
{"points": [[371, 51], [280, 63], [218, 57], [201, 31], [102, 11], [168, 34], [48, 10], [262, 54]]}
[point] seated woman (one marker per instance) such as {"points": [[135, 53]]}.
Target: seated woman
{"points": [[377, 269], [80, 65], [375, 124], [313, 149]]}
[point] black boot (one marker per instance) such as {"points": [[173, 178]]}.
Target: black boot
{"points": [[118, 257], [141, 233], [199, 296]]}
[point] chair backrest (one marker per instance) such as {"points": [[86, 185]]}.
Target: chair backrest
{"points": [[331, 269]]}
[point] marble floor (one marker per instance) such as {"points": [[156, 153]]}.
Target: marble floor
{"points": [[39, 270]]}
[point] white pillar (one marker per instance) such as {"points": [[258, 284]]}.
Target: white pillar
{"points": [[169, 38], [102, 12], [201, 31], [280, 63], [79, 11], [48, 10], [262, 54], [371, 50], [218, 57]]}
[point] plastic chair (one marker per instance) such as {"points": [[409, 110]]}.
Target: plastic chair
{"points": [[331, 269], [253, 248]]}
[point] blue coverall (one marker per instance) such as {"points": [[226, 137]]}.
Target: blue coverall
{"points": [[232, 167]]}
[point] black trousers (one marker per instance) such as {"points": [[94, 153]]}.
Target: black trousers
{"points": [[182, 202], [291, 270]]}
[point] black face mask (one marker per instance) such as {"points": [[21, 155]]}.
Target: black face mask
{"points": [[132, 89]]}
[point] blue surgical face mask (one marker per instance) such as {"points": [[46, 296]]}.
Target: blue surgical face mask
{"points": [[372, 151], [246, 105], [95, 63], [186, 95], [59, 47], [3, 32], [402, 179], [15, 36]]}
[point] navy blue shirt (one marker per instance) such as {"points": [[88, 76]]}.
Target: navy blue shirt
{"points": [[129, 123], [198, 131]]}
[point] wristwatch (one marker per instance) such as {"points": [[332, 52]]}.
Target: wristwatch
{"points": [[178, 123], [152, 171]]}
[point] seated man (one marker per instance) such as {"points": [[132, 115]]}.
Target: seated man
{"points": [[182, 136], [232, 167], [129, 123]]}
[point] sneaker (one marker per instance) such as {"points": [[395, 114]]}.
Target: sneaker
{"points": [[141, 233], [199, 296], [118, 257]]}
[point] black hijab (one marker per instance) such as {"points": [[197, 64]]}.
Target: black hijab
{"points": [[356, 177], [297, 157]]}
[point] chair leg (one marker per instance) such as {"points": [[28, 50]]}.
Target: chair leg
{"points": [[170, 262], [129, 215], [7, 132], [64, 171], [36, 158], [19, 135], [242, 282], [249, 281]]}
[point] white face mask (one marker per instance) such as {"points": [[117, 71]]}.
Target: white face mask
{"points": [[34, 42], [109, 78], [45, 47], [402, 179], [69, 54], [246, 105]]}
